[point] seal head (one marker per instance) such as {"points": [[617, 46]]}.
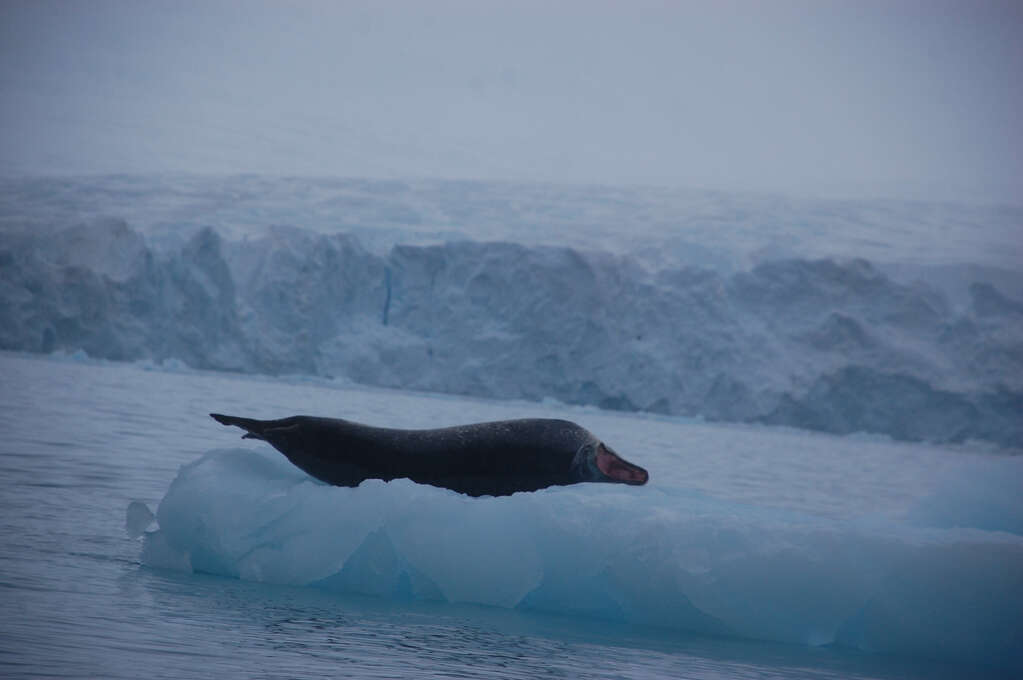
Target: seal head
{"points": [[597, 462]]}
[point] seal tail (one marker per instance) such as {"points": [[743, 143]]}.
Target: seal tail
{"points": [[253, 428]]}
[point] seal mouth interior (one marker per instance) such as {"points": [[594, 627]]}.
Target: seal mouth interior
{"points": [[618, 469]]}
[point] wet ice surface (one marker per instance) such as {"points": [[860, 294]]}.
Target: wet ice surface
{"points": [[82, 441]]}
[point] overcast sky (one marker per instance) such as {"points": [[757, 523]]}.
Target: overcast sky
{"points": [[802, 97]]}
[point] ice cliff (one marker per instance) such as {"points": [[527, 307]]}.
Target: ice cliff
{"points": [[830, 345]]}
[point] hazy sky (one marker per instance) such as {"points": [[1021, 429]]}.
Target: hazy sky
{"points": [[804, 97]]}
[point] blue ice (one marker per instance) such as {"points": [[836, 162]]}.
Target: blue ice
{"points": [[659, 555]]}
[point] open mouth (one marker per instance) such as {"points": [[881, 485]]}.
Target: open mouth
{"points": [[620, 470]]}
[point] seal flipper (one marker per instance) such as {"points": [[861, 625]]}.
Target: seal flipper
{"points": [[309, 443], [253, 428]]}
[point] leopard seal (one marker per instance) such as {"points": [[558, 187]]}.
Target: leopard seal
{"points": [[482, 459]]}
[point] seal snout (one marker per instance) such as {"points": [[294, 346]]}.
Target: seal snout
{"points": [[618, 469]]}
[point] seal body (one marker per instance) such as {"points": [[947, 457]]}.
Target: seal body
{"points": [[495, 458]]}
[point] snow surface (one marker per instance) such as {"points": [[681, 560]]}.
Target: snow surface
{"points": [[659, 226], [750, 325], [943, 580]]}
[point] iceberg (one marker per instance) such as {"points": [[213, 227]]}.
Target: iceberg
{"points": [[926, 585]]}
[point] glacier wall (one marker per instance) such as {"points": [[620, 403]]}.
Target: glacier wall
{"points": [[661, 555], [829, 345]]}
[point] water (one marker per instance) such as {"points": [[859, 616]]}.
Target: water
{"points": [[81, 440]]}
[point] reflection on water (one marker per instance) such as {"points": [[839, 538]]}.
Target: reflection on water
{"points": [[290, 628]]}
